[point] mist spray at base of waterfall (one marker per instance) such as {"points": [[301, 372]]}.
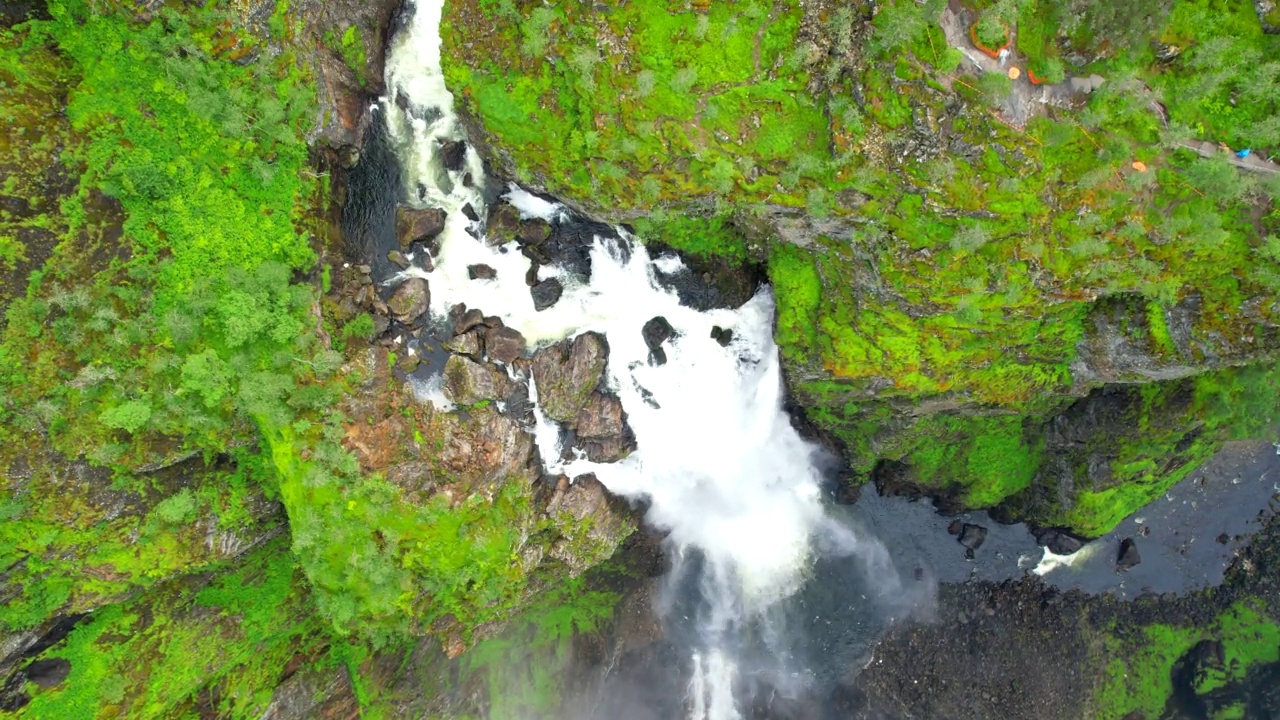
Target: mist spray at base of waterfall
{"points": [[723, 472]]}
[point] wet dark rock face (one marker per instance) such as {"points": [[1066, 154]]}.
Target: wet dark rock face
{"points": [[546, 293], [452, 154], [1128, 556], [18, 11], [707, 283], [1020, 649], [656, 331]]}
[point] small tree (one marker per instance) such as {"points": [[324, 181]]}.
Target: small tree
{"points": [[1049, 70], [993, 24]]}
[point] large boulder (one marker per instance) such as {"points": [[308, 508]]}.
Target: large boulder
{"points": [[601, 429], [504, 345], [468, 382], [565, 374], [587, 504], [410, 300], [414, 225], [546, 293]]}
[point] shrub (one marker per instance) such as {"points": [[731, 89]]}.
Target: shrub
{"points": [[177, 509], [129, 416]]}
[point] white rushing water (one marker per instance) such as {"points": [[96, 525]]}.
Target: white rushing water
{"points": [[718, 460]]}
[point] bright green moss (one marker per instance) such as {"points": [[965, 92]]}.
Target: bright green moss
{"points": [[1159, 329], [148, 657], [72, 546], [705, 237], [1173, 429], [604, 124], [797, 290], [990, 459], [383, 565], [1139, 679]]}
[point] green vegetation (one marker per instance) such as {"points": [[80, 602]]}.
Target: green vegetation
{"points": [[987, 458], [1167, 432], [351, 48], [165, 345], [524, 669], [163, 314], [207, 173], [992, 29], [713, 236], [703, 87], [1139, 679], [151, 656], [179, 384], [969, 279]]}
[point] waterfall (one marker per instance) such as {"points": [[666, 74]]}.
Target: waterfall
{"points": [[717, 461]]}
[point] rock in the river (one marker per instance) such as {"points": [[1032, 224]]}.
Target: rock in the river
{"points": [[413, 225], [452, 153], [464, 319], [972, 536], [567, 372], [397, 258], [656, 332], [1059, 542], [470, 212], [600, 417], [1128, 556], [503, 224], [724, 336], [467, 382], [546, 293], [602, 429], [534, 231], [481, 272], [410, 300], [570, 243], [504, 344], [657, 356], [468, 343], [408, 362]]}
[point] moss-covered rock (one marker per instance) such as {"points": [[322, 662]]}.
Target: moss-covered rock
{"points": [[73, 540], [567, 372], [216, 642], [1084, 464]]}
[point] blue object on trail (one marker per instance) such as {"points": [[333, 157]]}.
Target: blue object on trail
{"points": [[1244, 153]]}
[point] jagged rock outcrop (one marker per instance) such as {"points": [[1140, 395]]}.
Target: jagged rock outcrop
{"points": [[480, 462], [565, 374]]}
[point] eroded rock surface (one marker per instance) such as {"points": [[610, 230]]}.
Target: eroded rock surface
{"points": [[567, 372]]}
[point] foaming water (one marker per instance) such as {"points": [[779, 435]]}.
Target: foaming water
{"points": [[717, 461]]}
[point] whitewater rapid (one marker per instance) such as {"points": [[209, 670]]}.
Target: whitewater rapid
{"points": [[717, 460]]}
